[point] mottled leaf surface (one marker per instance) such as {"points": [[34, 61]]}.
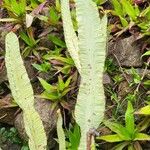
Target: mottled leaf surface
{"points": [[60, 132], [69, 33], [22, 93], [92, 35]]}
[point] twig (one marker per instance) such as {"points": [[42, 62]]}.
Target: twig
{"points": [[121, 69], [3, 116], [144, 73]]}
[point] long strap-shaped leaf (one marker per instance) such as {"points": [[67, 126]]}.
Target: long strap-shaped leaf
{"points": [[60, 132], [23, 93], [69, 33], [92, 35]]}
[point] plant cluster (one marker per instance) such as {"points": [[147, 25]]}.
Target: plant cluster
{"points": [[131, 14], [84, 48]]}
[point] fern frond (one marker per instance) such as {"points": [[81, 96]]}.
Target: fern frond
{"points": [[22, 93]]}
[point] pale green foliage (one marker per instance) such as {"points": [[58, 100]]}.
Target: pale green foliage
{"points": [[22, 93], [70, 37], [60, 132], [92, 33]]}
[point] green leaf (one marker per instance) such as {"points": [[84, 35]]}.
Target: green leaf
{"points": [[147, 83], [118, 8], [22, 93], [54, 18], [57, 41], [129, 119], [69, 33], [129, 9], [136, 76], [144, 111], [144, 124], [119, 129], [22, 7], [145, 12], [120, 146], [74, 137], [66, 91], [62, 59], [99, 2], [130, 147], [66, 69], [15, 7], [38, 67], [92, 34], [146, 53], [57, 5], [60, 132], [111, 138], [18, 8], [27, 39], [142, 137], [124, 22], [44, 67], [53, 96], [61, 84], [68, 81], [137, 11], [46, 85]]}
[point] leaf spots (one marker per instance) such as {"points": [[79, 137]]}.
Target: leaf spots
{"points": [[94, 114], [89, 66], [89, 120], [84, 84]]}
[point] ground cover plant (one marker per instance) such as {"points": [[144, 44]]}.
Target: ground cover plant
{"points": [[88, 64]]}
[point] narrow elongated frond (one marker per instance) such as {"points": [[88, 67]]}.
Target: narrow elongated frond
{"points": [[60, 132], [69, 33], [92, 35], [22, 93], [35, 130]]}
